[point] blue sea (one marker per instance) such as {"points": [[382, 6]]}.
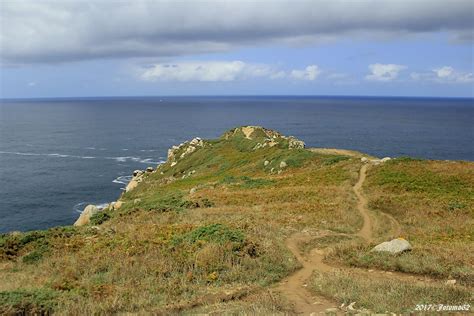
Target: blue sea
{"points": [[57, 155]]}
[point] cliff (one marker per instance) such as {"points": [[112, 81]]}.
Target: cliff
{"points": [[253, 222]]}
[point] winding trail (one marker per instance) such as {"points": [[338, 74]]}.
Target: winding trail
{"points": [[366, 230], [293, 287]]}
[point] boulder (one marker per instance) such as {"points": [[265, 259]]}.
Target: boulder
{"points": [[385, 159], [266, 162], [394, 246], [149, 169], [117, 205], [136, 173], [283, 165], [364, 160], [86, 215], [295, 143], [131, 185]]}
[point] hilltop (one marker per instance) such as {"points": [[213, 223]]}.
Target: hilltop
{"points": [[254, 222]]}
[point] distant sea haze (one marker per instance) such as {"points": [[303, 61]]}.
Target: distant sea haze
{"points": [[58, 155]]}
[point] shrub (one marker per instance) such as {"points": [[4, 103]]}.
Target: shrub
{"points": [[25, 302], [99, 217]]}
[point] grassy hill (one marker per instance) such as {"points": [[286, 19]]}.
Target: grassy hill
{"points": [[208, 231]]}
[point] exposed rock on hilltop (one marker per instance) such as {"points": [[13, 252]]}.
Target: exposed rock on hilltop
{"points": [[265, 136]]}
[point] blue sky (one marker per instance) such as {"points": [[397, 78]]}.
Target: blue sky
{"points": [[398, 48]]}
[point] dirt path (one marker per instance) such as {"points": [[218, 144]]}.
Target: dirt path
{"points": [[294, 286], [366, 231]]}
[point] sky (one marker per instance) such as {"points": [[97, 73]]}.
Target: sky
{"points": [[222, 47]]}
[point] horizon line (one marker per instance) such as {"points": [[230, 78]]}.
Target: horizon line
{"points": [[231, 95]]}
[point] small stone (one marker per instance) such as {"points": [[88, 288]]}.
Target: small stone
{"points": [[331, 310], [385, 159], [173, 164], [136, 201], [266, 162], [192, 191], [283, 165], [364, 160], [451, 282], [149, 169]]}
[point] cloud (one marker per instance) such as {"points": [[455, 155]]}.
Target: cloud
{"points": [[445, 74], [311, 72], [31, 84], [61, 31], [208, 71], [384, 72]]}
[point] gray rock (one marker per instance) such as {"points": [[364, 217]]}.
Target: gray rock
{"points": [[393, 246]]}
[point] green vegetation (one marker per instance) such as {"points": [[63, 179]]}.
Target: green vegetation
{"points": [[201, 234]]}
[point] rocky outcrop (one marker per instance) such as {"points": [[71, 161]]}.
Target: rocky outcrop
{"points": [[86, 215], [394, 246], [266, 137], [176, 153]]}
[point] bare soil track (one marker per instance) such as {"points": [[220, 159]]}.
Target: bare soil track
{"points": [[293, 288]]}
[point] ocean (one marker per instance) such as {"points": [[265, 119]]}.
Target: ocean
{"points": [[58, 155]]}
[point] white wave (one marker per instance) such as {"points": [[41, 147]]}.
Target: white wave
{"points": [[79, 207], [150, 161], [50, 155], [91, 148], [124, 149], [122, 180]]}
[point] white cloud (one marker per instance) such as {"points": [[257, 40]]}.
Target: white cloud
{"points": [[384, 72], [445, 74], [208, 71], [311, 72], [58, 31], [31, 84]]}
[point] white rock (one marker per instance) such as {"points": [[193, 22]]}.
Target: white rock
{"points": [[131, 185], [266, 162], [283, 164], [117, 205], [451, 282], [173, 163], [385, 159], [364, 160], [136, 173], [149, 169], [393, 246], [86, 214], [192, 191]]}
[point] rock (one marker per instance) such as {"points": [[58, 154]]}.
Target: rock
{"points": [[149, 169], [385, 159], [364, 160], [451, 282], [393, 246], [295, 143], [136, 201], [197, 142], [283, 165], [111, 206], [131, 185], [272, 170], [192, 191], [266, 162], [188, 151], [137, 173], [86, 214], [117, 205], [331, 311], [173, 163]]}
